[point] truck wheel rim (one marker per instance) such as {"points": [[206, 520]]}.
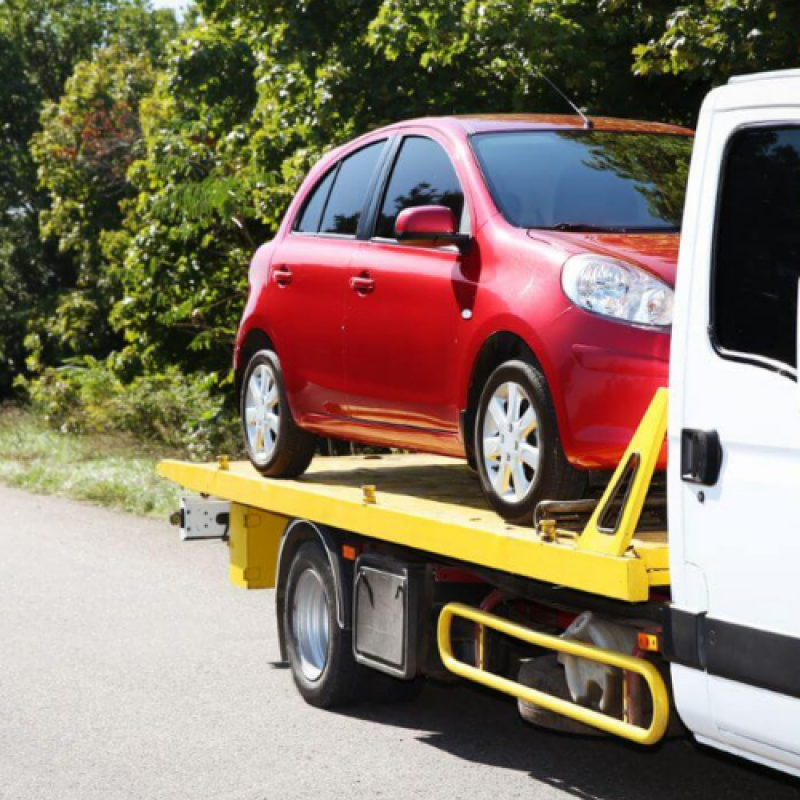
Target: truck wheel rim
{"points": [[262, 412], [510, 433], [310, 624]]}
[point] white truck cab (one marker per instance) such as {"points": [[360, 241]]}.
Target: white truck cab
{"points": [[734, 427]]}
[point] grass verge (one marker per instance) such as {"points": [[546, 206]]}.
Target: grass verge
{"points": [[114, 471]]}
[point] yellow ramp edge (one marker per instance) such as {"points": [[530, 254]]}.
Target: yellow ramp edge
{"points": [[432, 504]]}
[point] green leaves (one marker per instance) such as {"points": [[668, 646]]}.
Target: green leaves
{"points": [[141, 165]]}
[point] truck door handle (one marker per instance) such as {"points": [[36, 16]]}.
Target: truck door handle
{"points": [[362, 284], [701, 457], [282, 276]]}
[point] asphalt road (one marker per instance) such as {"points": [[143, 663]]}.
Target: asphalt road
{"points": [[130, 668]]}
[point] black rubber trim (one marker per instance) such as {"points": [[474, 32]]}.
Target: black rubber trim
{"points": [[681, 638], [723, 649], [377, 187]]}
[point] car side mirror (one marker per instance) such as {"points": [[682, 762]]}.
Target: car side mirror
{"points": [[429, 226]]}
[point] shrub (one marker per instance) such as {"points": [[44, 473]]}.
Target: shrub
{"points": [[185, 413]]}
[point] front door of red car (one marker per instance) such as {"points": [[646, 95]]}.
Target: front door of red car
{"points": [[309, 275], [403, 304]]}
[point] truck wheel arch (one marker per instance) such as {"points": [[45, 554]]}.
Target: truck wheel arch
{"points": [[297, 533]]}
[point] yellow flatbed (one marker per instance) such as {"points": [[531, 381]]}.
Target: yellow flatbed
{"points": [[434, 508], [434, 505]]}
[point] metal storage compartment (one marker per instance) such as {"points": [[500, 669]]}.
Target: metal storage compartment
{"points": [[386, 614]]}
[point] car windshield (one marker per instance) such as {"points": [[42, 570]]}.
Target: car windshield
{"points": [[587, 180]]}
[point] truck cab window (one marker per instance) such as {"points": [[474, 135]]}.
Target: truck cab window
{"points": [[757, 248]]}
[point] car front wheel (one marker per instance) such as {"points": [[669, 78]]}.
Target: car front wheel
{"points": [[519, 453]]}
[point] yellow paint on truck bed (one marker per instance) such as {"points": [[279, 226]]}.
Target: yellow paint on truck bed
{"points": [[431, 504]]}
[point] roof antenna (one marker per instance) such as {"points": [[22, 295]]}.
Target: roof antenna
{"points": [[587, 123]]}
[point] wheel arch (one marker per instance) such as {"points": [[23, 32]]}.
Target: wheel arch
{"points": [[255, 339], [298, 533], [500, 347]]}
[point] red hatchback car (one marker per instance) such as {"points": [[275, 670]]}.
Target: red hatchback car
{"points": [[497, 288]]}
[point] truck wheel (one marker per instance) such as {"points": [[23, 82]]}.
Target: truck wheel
{"points": [[320, 652], [275, 445], [519, 453]]}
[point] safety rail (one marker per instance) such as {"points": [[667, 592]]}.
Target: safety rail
{"points": [[651, 676]]}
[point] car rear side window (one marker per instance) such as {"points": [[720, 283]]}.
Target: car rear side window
{"points": [[422, 176], [310, 218], [346, 200], [757, 248]]}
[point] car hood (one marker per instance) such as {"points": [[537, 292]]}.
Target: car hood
{"points": [[655, 252]]}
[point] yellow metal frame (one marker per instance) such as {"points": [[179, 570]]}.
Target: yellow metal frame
{"points": [[254, 539], [651, 676], [404, 500], [644, 450]]}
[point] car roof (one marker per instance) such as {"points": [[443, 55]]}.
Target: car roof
{"points": [[486, 123]]}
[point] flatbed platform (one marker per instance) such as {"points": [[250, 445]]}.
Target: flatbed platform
{"points": [[434, 504]]}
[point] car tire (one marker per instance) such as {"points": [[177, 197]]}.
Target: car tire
{"points": [[320, 652], [275, 445], [518, 449]]}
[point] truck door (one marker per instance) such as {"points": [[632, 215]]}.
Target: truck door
{"points": [[735, 530]]}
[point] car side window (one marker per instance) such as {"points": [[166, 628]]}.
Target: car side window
{"points": [[309, 219], [346, 200], [423, 175], [757, 248]]}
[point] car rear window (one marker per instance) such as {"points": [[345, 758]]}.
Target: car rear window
{"points": [[349, 192], [587, 180]]}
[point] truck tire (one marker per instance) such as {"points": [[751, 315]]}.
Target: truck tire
{"points": [[320, 652]]}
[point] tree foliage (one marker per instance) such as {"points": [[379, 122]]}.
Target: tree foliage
{"points": [[142, 163]]}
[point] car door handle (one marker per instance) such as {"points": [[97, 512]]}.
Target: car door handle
{"points": [[282, 276], [362, 284]]}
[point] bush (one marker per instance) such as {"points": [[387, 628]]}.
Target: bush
{"points": [[185, 413]]}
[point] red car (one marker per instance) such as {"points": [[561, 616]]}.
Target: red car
{"points": [[496, 288]]}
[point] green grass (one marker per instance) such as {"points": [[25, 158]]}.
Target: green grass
{"points": [[114, 471]]}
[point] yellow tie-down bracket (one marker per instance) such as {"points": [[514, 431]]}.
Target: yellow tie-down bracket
{"points": [[617, 727]]}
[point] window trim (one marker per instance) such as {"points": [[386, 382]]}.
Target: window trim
{"points": [[380, 193], [752, 359], [335, 168]]}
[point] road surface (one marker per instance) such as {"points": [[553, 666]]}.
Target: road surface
{"points": [[131, 668]]}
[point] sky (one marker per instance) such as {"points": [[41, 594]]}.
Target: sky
{"points": [[178, 5]]}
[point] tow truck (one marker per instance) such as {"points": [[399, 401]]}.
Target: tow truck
{"points": [[657, 606]]}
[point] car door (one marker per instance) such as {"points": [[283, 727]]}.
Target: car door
{"points": [[308, 282], [402, 308], [735, 536]]}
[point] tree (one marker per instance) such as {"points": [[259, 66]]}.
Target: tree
{"points": [[41, 41], [710, 40]]}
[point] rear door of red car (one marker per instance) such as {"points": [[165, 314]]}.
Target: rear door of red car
{"points": [[402, 308], [309, 280]]}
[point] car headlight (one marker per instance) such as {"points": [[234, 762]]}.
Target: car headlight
{"points": [[618, 290]]}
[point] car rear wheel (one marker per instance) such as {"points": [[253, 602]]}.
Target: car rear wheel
{"points": [[519, 454], [275, 445]]}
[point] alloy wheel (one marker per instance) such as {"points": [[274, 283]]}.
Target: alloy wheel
{"points": [[510, 434], [262, 412]]}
